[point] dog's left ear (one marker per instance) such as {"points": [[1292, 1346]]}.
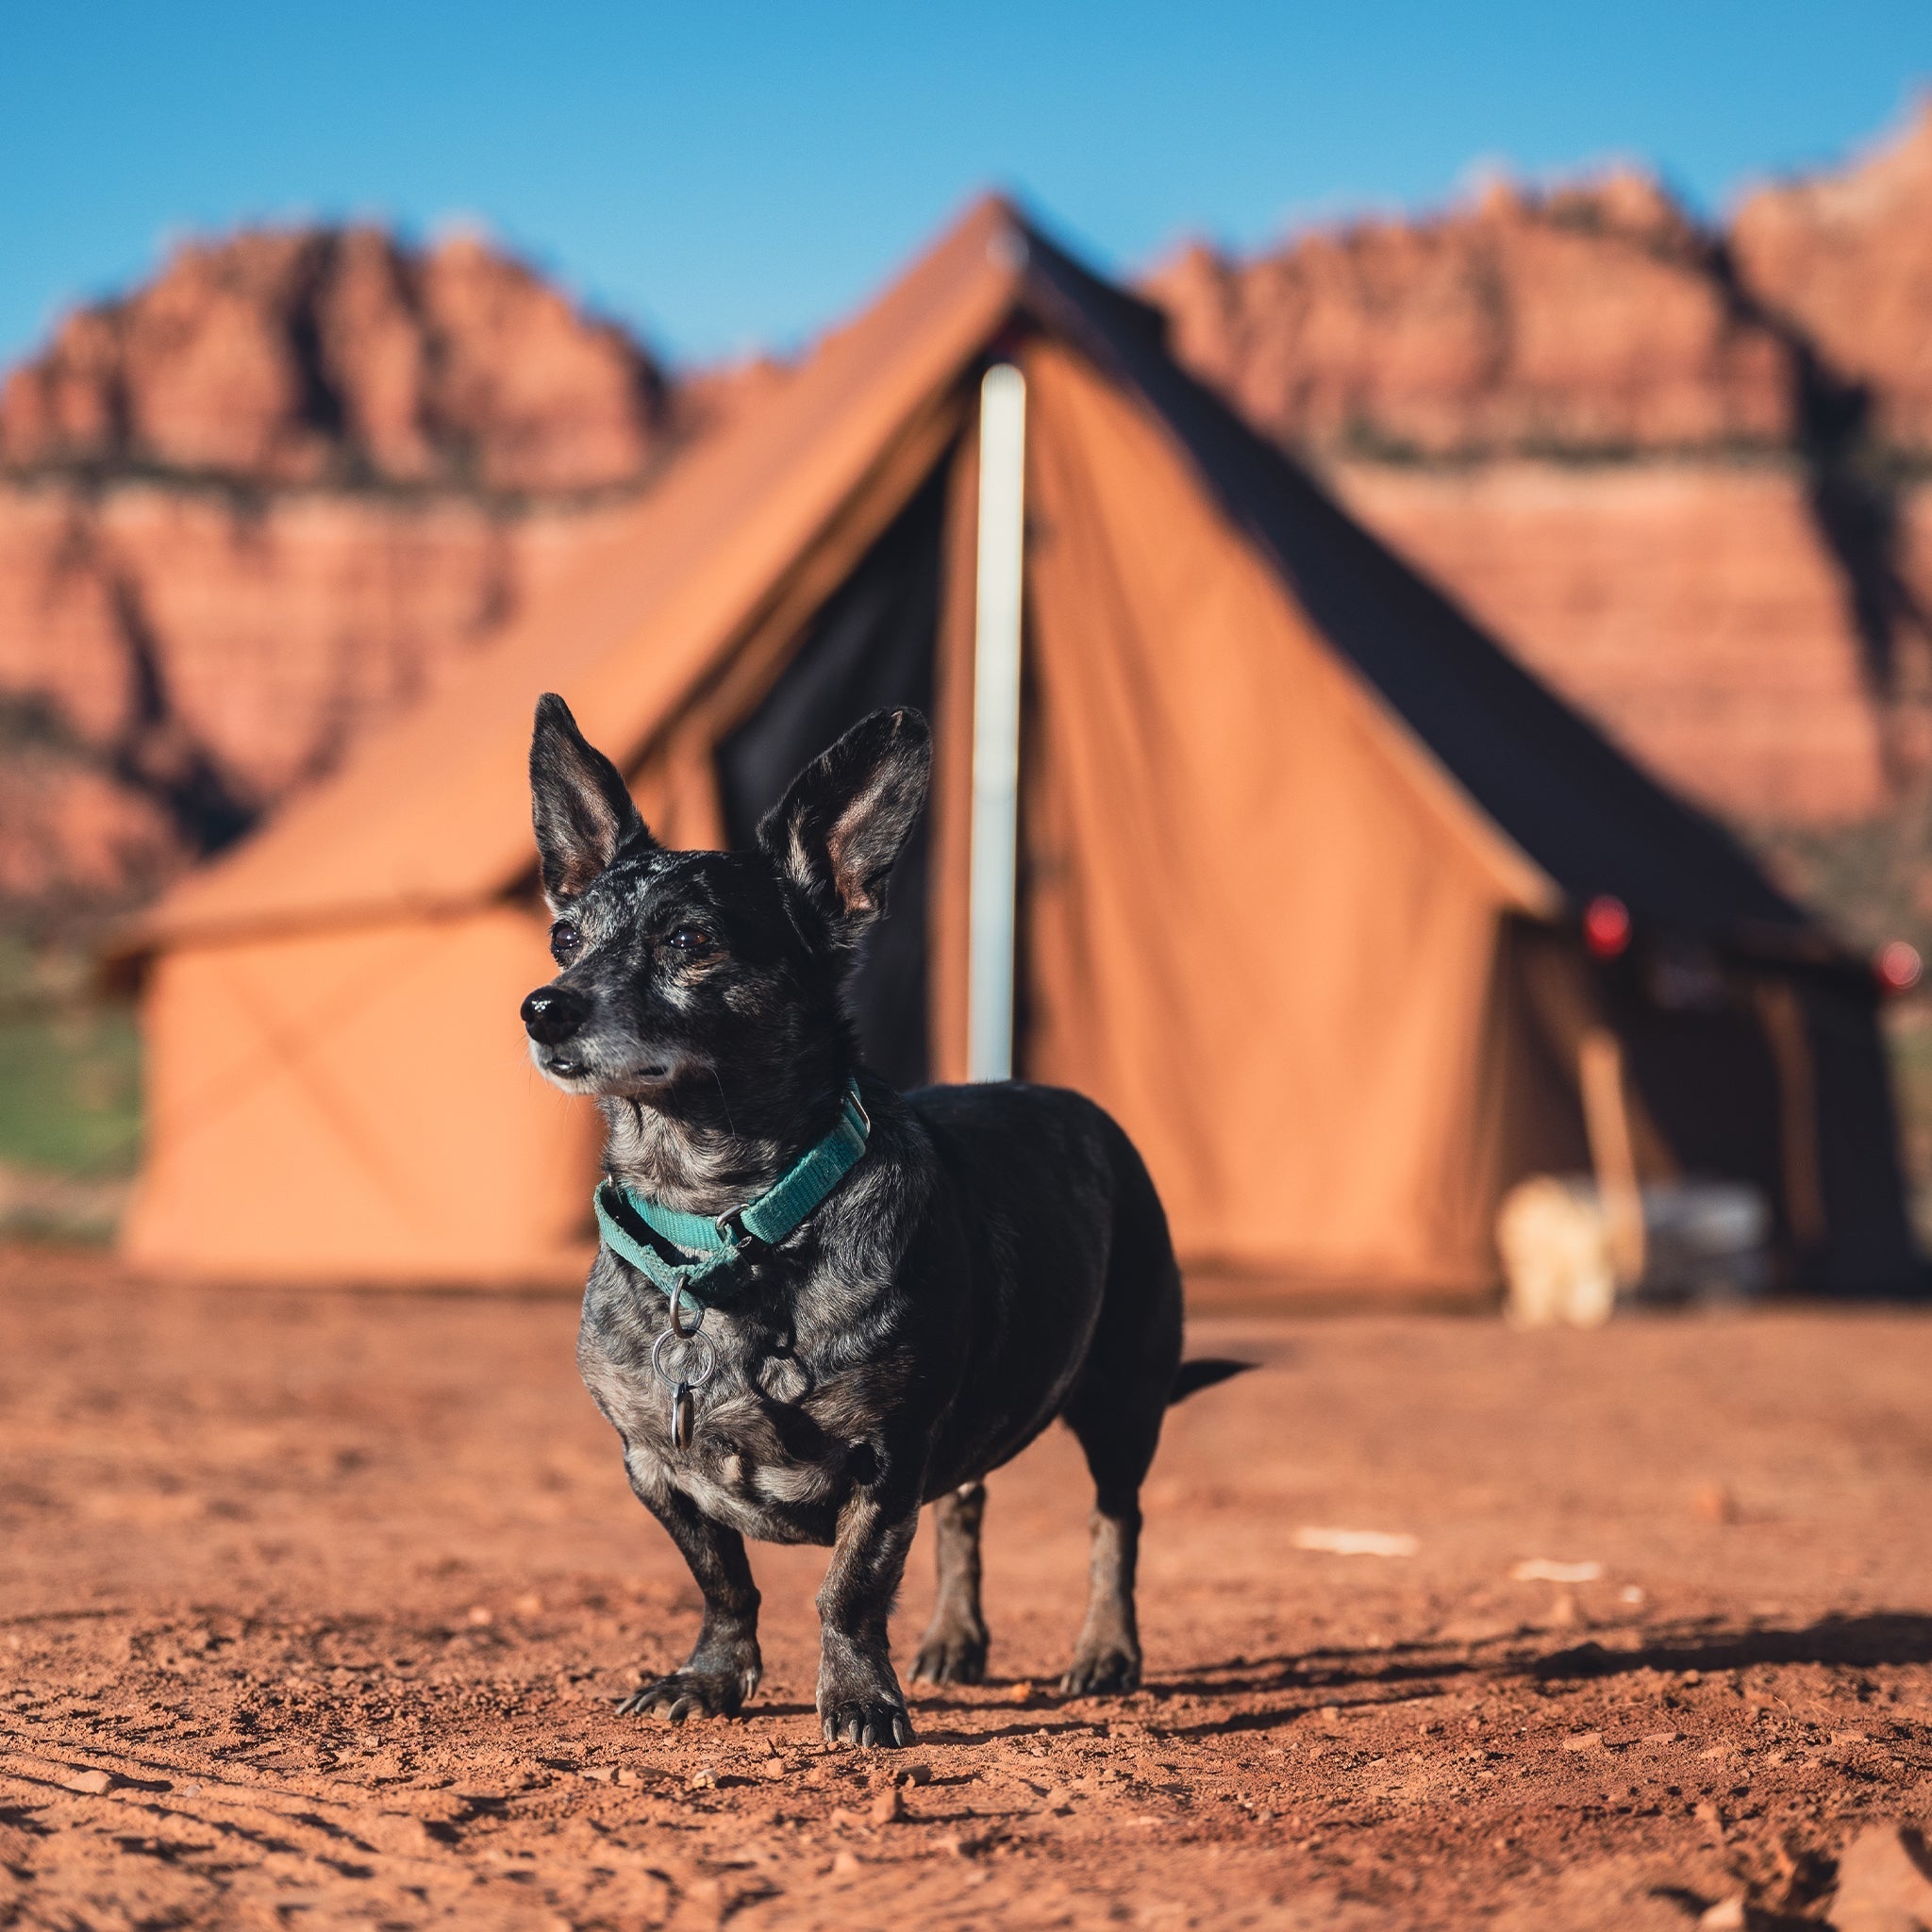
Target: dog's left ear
{"points": [[579, 803], [837, 831]]}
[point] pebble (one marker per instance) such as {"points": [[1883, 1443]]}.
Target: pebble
{"points": [[1355, 1542], [1545, 1570], [1585, 1740], [916, 1774], [90, 1784], [889, 1807]]}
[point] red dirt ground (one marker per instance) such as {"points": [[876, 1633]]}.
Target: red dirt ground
{"points": [[315, 1606]]}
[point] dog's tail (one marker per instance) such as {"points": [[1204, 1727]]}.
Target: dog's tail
{"points": [[1191, 1378]]}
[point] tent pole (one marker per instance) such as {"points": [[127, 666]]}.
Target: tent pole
{"points": [[993, 891], [1612, 1152]]}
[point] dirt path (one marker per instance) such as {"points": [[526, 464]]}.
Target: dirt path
{"points": [[313, 1608]]}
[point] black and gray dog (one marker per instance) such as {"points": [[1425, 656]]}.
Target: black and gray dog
{"points": [[887, 1296]]}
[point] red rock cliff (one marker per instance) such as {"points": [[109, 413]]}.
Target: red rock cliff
{"points": [[304, 356], [1848, 257], [260, 502], [1585, 320], [1660, 463]]}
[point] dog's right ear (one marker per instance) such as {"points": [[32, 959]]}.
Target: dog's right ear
{"points": [[579, 803]]}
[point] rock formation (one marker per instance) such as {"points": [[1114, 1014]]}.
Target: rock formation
{"points": [[304, 356], [1848, 259], [1689, 607], [1673, 469], [262, 501], [210, 654], [72, 833], [1586, 320]]}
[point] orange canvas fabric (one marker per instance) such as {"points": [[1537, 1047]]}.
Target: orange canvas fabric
{"points": [[358, 1104], [1249, 933]]}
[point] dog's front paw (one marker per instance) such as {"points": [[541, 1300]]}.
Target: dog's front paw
{"points": [[693, 1693], [1101, 1670], [859, 1700], [951, 1654], [869, 1721]]}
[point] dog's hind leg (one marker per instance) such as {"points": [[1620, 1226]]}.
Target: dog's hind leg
{"points": [[953, 1650], [1106, 1654], [1116, 1419], [1115, 1412]]}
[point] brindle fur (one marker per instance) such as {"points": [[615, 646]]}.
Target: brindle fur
{"points": [[998, 1258]]}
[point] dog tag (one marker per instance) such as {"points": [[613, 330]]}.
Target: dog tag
{"points": [[695, 1358]]}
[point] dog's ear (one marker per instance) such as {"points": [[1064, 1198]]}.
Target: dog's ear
{"points": [[579, 803], [837, 831]]}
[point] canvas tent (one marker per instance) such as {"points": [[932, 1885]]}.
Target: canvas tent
{"points": [[1303, 854]]}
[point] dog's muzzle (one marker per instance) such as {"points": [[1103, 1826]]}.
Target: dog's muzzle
{"points": [[553, 1014]]}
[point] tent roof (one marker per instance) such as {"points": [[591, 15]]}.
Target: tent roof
{"points": [[421, 817]]}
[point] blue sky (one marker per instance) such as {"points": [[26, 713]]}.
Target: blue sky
{"points": [[726, 175]]}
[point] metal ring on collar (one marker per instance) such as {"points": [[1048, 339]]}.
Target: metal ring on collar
{"points": [[694, 1343]]}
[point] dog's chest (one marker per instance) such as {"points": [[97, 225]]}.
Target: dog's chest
{"points": [[762, 1457]]}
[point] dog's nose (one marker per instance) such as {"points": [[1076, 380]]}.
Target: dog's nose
{"points": [[552, 1013]]}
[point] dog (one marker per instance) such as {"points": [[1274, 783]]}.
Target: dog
{"points": [[956, 1268]]}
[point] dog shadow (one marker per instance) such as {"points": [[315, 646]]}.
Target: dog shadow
{"points": [[1876, 1639], [1879, 1638]]}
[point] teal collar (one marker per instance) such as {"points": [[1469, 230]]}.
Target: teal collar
{"points": [[628, 1220]]}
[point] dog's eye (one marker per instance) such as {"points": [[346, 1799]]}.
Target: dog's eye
{"points": [[564, 940], [691, 939]]}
